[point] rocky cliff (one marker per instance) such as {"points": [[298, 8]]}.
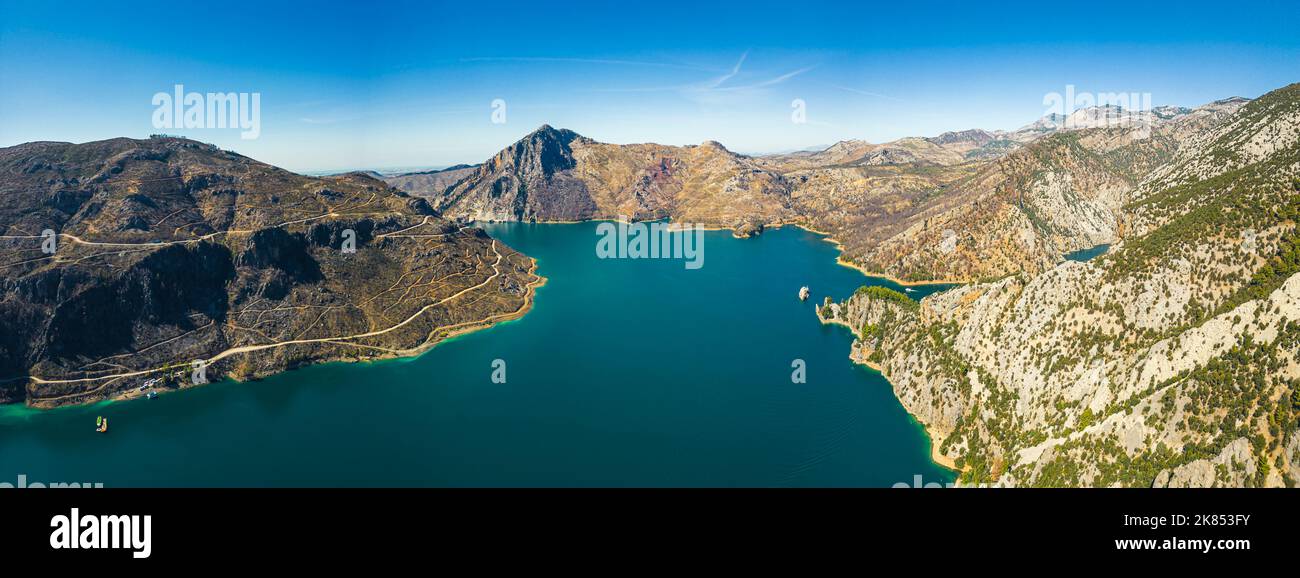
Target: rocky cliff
{"points": [[1170, 360]]}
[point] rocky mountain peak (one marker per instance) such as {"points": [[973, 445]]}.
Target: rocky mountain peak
{"points": [[545, 151], [975, 136]]}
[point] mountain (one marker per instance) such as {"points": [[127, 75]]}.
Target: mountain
{"points": [[973, 138], [424, 182], [558, 175], [1018, 212], [168, 251], [1168, 361], [961, 206], [904, 151]]}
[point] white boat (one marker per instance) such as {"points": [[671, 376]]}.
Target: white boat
{"points": [[803, 293]]}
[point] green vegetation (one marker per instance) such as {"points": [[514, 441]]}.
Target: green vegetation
{"points": [[887, 294], [1193, 249]]}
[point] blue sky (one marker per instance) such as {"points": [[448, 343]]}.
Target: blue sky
{"points": [[381, 85]]}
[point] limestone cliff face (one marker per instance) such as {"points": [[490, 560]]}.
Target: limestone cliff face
{"points": [[1171, 360], [1012, 403], [880, 324], [168, 251]]}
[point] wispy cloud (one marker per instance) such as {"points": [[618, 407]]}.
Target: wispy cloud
{"points": [[769, 82], [719, 88], [868, 93], [732, 74], [597, 61]]}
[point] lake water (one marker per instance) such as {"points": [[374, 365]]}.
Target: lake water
{"points": [[625, 373], [1087, 254]]}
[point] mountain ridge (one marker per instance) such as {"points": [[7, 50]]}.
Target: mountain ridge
{"points": [[165, 251], [1167, 361], [894, 206]]}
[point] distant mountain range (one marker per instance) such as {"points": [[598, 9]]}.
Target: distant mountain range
{"points": [[1035, 193]]}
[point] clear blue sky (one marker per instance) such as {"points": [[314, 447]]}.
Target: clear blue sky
{"points": [[374, 84]]}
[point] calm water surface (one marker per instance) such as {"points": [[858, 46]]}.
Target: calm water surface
{"points": [[1087, 254], [626, 373]]}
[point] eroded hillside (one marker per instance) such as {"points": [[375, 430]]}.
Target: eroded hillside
{"points": [[129, 260]]}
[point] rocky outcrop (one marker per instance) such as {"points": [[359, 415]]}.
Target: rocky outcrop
{"points": [[1232, 468], [530, 180]]}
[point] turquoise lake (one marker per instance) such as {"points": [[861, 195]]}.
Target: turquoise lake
{"points": [[627, 372], [1087, 254]]}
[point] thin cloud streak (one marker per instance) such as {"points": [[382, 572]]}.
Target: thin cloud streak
{"points": [[601, 61], [734, 71], [714, 89], [768, 82], [868, 93]]}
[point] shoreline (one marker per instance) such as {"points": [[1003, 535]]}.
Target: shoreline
{"points": [[411, 353], [846, 263], [830, 238], [448, 333], [840, 260], [935, 456]]}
